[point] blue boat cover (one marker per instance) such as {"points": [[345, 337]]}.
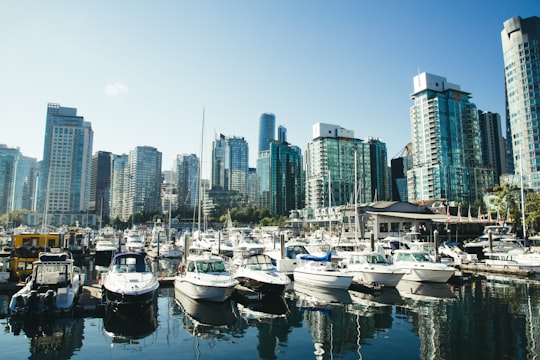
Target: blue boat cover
{"points": [[325, 258]]}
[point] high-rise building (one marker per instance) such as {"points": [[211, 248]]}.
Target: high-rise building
{"points": [[100, 184], [521, 52], [399, 167], [380, 183], [120, 182], [267, 130], [492, 143], [67, 162], [145, 180], [230, 157], [8, 161], [332, 157], [186, 177], [24, 189], [446, 145]]}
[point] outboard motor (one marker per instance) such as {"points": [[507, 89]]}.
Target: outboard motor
{"points": [[49, 301], [20, 303], [32, 304]]}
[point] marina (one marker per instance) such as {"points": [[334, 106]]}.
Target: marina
{"points": [[414, 320]]}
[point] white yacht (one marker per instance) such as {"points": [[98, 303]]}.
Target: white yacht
{"points": [[257, 273], [129, 285], [321, 272], [371, 268], [419, 266], [204, 277], [134, 241]]}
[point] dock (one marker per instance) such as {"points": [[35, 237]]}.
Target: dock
{"points": [[483, 268]]}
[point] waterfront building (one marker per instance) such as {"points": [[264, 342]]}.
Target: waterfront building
{"points": [[521, 52], [25, 183], [267, 129], [252, 187], [280, 178], [186, 177], [119, 187], [380, 182], [399, 167], [230, 157], [100, 184], [330, 168], [492, 143], [144, 193], [446, 152], [64, 185], [8, 160]]}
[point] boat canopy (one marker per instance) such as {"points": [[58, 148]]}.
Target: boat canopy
{"points": [[325, 258]]}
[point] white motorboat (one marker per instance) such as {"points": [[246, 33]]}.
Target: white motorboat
{"points": [[517, 258], [287, 260], [53, 287], [498, 235], [104, 251], [453, 252], [257, 273], [371, 268], [321, 272], [129, 285], [134, 241], [204, 277], [419, 266], [5, 268]]}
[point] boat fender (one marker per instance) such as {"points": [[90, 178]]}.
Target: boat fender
{"points": [[181, 268]]}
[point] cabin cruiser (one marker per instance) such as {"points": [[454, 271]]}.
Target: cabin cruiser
{"points": [[134, 241], [53, 287], [129, 285], [498, 235], [419, 266], [104, 251], [204, 277], [321, 272], [452, 252], [287, 260], [371, 268], [257, 273]]}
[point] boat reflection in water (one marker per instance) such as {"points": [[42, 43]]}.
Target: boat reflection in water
{"points": [[205, 314], [129, 329], [425, 291], [315, 297], [255, 311], [56, 337]]}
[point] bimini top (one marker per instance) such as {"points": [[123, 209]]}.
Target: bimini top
{"points": [[325, 258]]}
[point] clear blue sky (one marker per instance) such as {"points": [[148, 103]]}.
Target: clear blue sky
{"points": [[143, 71]]}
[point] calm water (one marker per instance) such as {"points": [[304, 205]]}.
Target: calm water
{"points": [[480, 319]]}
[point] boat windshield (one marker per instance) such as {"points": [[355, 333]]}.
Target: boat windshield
{"points": [[206, 266]]}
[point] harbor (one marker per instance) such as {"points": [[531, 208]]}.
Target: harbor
{"points": [[414, 320]]}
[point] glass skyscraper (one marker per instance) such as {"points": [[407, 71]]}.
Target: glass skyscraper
{"points": [[330, 168], [230, 157], [144, 180], [67, 162], [445, 144], [186, 171], [267, 130], [521, 51]]}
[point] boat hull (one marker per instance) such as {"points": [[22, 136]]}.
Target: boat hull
{"points": [[417, 273], [216, 292], [369, 277], [323, 278]]}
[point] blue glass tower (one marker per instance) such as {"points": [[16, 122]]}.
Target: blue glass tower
{"points": [[267, 129]]}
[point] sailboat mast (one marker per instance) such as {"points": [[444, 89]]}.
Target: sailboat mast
{"points": [[523, 223], [200, 175]]}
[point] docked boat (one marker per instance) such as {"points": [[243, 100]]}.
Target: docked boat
{"points": [[287, 259], [517, 258], [204, 277], [134, 241], [257, 273], [104, 251], [322, 273], [419, 266], [53, 287], [129, 285], [453, 253], [498, 235], [370, 268]]}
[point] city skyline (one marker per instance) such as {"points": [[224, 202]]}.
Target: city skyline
{"points": [[142, 74]]}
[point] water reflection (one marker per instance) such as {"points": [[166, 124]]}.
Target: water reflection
{"points": [[57, 337], [205, 314]]}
